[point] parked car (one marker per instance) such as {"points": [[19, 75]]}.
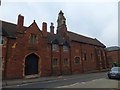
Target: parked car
{"points": [[114, 73]]}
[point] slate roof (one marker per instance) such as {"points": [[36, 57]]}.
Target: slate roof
{"points": [[10, 29], [57, 39], [84, 39]]}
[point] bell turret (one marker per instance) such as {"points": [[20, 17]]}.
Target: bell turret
{"points": [[61, 24]]}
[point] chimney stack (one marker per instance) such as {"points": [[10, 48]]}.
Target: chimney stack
{"points": [[44, 29], [20, 23], [52, 28]]}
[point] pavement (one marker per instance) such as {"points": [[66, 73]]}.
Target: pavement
{"points": [[28, 80], [39, 79]]}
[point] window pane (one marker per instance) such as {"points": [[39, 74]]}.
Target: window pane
{"points": [[55, 61], [33, 39], [0, 39], [55, 47], [3, 41], [65, 48], [85, 57], [91, 56], [66, 61]]}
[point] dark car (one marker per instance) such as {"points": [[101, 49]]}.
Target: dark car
{"points": [[114, 73]]}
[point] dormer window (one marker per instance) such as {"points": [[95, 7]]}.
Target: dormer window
{"points": [[65, 48], [55, 47]]}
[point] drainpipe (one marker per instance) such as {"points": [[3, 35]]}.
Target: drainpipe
{"points": [[118, 57], [96, 58], [82, 59], [106, 59], [6, 59], [70, 60], [51, 58], [60, 61]]}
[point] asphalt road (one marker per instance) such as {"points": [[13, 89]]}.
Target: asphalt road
{"points": [[78, 81], [96, 83]]}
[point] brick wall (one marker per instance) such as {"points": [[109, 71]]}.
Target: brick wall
{"points": [[113, 56], [91, 57]]}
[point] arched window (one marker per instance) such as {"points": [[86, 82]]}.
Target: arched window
{"points": [[77, 60]]}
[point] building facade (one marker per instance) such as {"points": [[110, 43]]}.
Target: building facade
{"points": [[113, 55], [30, 51]]}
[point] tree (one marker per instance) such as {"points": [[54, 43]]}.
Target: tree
{"points": [[116, 64]]}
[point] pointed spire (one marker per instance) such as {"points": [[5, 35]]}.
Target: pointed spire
{"points": [[61, 12], [61, 19], [33, 20], [61, 24]]}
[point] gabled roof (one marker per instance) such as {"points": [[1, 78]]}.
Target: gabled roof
{"points": [[84, 39], [8, 29], [34, 23]]}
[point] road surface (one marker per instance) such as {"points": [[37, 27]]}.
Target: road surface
{"points": [[92, 80]]}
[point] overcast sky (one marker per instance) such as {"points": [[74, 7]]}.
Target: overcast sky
{"points": [[92, 19]]}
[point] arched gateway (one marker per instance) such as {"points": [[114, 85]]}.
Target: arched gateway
{"points": [[31, 64]]}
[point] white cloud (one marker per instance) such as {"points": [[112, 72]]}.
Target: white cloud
{"points": [[110, 33], [61, 0], [92, 19]]}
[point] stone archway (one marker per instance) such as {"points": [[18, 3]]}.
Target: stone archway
{"points": [[31, 64]]}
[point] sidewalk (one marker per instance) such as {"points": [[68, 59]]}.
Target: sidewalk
{"points": [[28, 80], [40, 79]]}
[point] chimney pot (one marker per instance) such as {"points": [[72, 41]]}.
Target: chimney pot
{"points": [[20, 23], [44, 28], [52, 28]]}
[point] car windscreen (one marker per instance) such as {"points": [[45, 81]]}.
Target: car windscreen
{"points": [[115, 69]]}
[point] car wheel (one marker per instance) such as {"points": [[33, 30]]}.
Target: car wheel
{"points": [[109, 77]]}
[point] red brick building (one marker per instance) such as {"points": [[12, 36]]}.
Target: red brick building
{"points": [[113, 55], [31, 51]]}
